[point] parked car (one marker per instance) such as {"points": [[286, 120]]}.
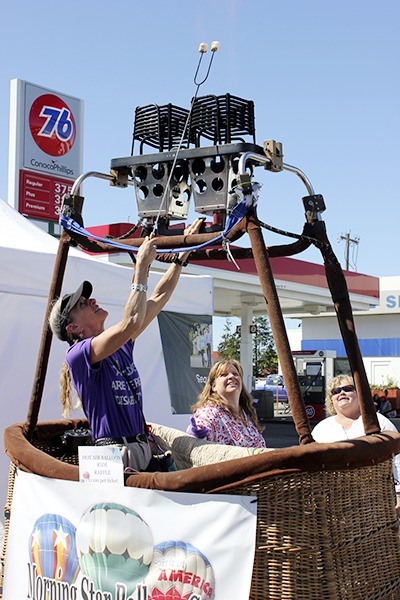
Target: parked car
{"points": [[275, 384]]}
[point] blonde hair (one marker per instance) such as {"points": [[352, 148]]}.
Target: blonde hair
{"points": [[67, 393], [209, 395], [335, 382], [54, 323], [54, 316]]}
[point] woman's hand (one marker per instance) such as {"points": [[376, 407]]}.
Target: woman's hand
{"points": [[191, 229], [198, 432], [147, 253]]}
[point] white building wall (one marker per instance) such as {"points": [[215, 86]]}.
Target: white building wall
{"points": [[378, 331], [367, 326]]}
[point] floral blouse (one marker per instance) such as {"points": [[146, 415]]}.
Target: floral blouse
{"points": [[224, 428]]}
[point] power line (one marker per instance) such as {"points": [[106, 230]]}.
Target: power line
{"points": [[349, 242]]}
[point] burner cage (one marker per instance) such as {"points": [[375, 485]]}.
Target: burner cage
{"points": [[165, 183]]}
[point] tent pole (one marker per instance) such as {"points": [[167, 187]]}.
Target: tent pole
{"points": [[46, 339]]}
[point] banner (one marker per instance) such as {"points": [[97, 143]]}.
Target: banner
{"points": [[187, 349], [73, 541]]}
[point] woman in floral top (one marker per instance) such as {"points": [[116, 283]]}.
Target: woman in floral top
{"points": [[224, 412]]}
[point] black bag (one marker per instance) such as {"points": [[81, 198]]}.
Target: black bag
{"points": [[162, 462], [73, 438]]}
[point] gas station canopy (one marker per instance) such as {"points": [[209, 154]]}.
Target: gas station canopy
{"points": [[301, 285]]}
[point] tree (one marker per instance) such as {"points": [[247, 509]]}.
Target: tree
{"points": [[229, 346], [265, 358]]}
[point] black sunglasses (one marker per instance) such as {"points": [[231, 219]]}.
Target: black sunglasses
{"points": [[344, 388]]}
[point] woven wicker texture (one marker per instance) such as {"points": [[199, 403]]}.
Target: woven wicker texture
{"points": [[326, 535]]}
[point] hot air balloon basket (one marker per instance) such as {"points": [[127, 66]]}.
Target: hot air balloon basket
{"points": [[326, 522]]}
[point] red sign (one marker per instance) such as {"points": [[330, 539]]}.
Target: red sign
{"points": [[310, 410], [40, 195], [52, 125]]}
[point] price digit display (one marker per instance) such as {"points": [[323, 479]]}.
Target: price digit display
{"points": [[41, 196]]}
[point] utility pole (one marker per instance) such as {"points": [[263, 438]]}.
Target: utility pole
{"points": [[348, 241]]}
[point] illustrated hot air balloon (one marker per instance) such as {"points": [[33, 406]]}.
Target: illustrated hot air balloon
{"points": [[179, 571], [114, 546], [52, 548]]}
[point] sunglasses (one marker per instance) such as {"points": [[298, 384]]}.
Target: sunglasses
{"points": [[344, 388]]}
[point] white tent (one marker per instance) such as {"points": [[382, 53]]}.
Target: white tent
{"points": [[27, 257]]}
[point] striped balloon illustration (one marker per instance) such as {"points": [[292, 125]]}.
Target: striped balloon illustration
{"points": [[52, 548], [115, 546], [179, 571]]}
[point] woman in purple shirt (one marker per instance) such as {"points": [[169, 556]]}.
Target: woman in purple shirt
{"points": [[100, 361]]}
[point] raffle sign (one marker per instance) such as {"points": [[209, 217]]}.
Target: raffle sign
{"points": [[45, 149], [72, 541]]}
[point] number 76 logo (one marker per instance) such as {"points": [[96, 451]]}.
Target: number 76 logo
{"points": [[58, 122], [52, 125]]}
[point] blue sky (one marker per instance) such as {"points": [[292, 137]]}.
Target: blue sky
{"points": [[324, 77]]}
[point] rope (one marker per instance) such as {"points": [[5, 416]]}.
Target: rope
{"points": [[321, 245], [198, 84]]}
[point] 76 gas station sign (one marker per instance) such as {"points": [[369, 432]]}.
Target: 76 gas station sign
{"points": [[48, 148]]}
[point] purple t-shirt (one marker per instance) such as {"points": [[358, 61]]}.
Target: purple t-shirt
{"points": [[112, 406]]}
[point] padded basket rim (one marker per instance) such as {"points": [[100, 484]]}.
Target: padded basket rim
{"points": [[350, 454]]}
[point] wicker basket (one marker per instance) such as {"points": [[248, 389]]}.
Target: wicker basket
{"points": [[326, 522]]}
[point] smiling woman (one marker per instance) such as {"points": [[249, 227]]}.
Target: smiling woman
{"points": [[345, 421], [224, 411]]}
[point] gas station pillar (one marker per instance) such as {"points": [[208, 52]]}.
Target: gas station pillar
{"points": [[246, 344]]}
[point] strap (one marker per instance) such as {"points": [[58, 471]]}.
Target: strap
{"points": [[178, 261]]}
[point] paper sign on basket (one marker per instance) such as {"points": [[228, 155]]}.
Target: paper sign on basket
{"points": [[100, 464]]}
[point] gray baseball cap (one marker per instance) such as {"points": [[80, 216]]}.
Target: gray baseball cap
{"points": [[59, 316]]}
